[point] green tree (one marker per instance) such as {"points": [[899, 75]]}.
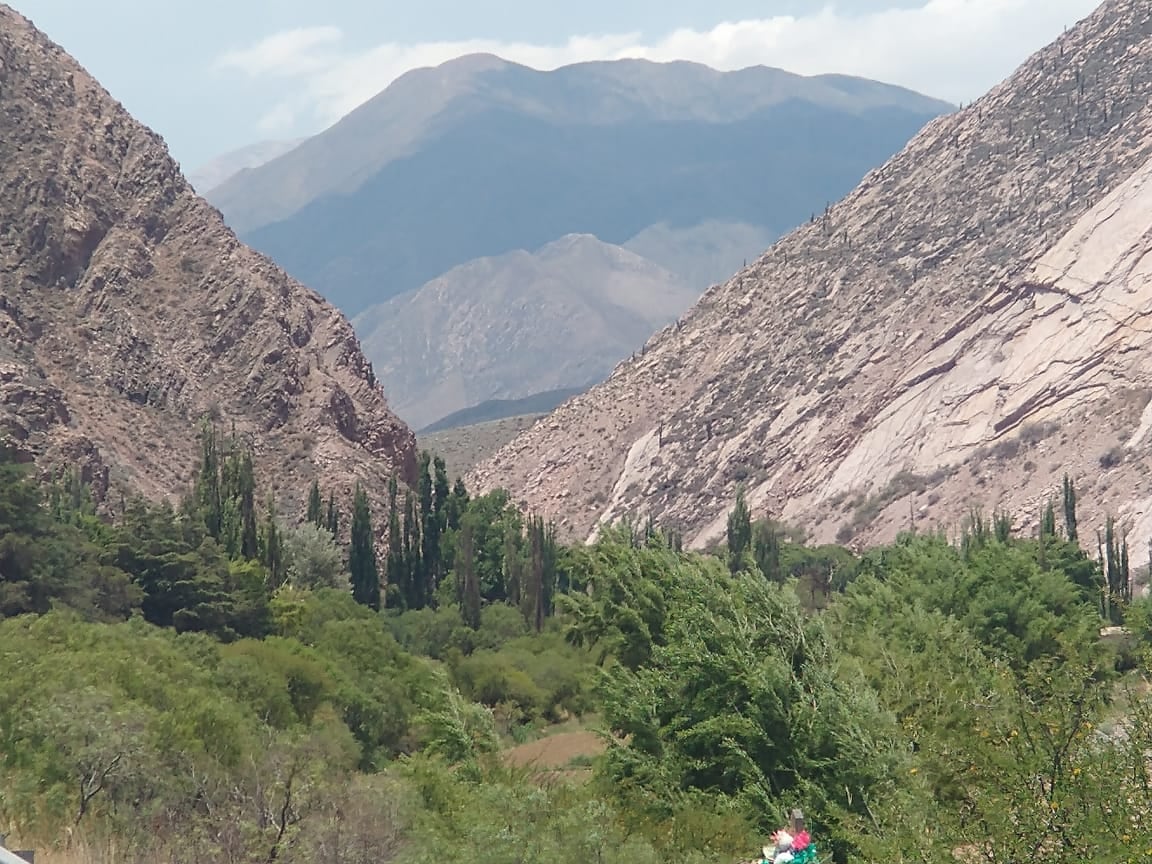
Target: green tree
{"points": [[311, 558], [362, 554], [456, 504], [1117, 588], [1048, 521], [1069, 494], [739, 533], [332, 516], [766, 551], [208, 493], [431, 531], [745, 703], [396, 571], [315, 514], [272, 546], [442, 491], [469, 583], [414, 575]]}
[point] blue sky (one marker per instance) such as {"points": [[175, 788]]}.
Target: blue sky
{"points": [[214, 75]]}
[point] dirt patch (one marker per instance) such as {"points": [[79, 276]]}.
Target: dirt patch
{"points": [[555, 751]]}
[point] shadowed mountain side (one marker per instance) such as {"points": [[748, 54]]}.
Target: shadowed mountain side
{"points": [[424, 104], [504, 180]]}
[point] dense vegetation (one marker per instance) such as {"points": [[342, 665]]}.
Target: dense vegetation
{"points": [[210, 682]]}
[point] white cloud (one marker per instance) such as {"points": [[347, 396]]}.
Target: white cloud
{"points": [[286, 54], [952, 49]]}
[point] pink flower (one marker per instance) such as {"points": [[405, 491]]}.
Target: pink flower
{"points": [[800, 841]]}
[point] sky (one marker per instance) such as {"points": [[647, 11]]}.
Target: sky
{"points": [[215, 75]]}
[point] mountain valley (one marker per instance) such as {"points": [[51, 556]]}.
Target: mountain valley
{"points": [[842, 561], [696, 170]]}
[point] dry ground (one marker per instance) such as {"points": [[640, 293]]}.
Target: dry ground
{"points": [[465, 446], [555, 751]]}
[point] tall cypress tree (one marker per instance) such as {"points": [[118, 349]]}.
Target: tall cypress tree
{"points": [[766, 551], [315, 505], [739, 532], [542, 572], [1069, 491], [396, 573], [1117, 575], [208, 483], [469, 584], [551, 567], [272, 548], [362, 554], [332, 517], [513, 569], [246, 490], [441, 491], [429, 532], [413, 566], [456, 505], [1048, 521]]}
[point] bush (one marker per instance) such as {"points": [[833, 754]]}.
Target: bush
{"points": [[312, 560], [492, 679], [1112, 457]]}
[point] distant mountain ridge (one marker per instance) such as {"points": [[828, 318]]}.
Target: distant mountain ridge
{"points": [[515, 325], [481, 157], [207, 177], [495, 410]]}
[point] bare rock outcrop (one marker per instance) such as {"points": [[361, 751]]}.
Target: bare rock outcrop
{"points": [[969, 324], [128, 310]]}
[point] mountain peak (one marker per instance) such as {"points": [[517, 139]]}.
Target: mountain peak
{"points": [[424, 106]]}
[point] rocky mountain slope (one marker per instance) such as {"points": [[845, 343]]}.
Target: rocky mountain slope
{"points": [[128, 310], [480, 157], [967, 325], [517, 324]]}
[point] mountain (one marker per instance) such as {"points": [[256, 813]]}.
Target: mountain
{"points": [[703, 254], [128, 310], [480, 157], [495, 410], [518, 324], [207, 177], [969, 324]]}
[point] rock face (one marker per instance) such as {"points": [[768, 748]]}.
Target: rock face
{"points": [[516, 325], [969, 324], [128, 310]]}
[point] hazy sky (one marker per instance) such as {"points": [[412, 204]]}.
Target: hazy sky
{"points": [[214, 75]]}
